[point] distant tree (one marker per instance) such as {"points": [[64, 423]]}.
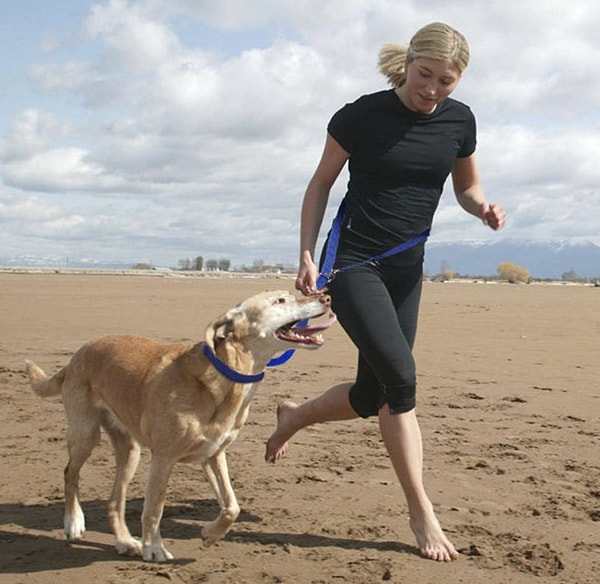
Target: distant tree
{"points": [[199, 263], [570, 276], [258, 265], [141, 266], [212, 265], [185, 264], [447, 274], [224, 264], [513, 273]]}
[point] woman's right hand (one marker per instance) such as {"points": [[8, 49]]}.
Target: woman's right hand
{"points": [[307, 277], [332, 161]]}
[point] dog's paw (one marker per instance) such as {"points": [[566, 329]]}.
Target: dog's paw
{"points": [[129, 547], [74, 524], [210, 534], [156, 553]]}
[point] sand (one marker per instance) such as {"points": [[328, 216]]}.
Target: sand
{"points": [[509, 404]]}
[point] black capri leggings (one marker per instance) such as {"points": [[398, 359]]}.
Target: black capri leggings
{"points": [[378, 307]]}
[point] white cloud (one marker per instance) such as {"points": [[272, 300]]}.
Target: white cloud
{"points": [[29, 133], [145, 139], [134, 38], [228, 15], [528, 157], [57, 170]]}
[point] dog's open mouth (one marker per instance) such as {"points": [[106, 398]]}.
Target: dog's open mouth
{"points": [[308, 335]]}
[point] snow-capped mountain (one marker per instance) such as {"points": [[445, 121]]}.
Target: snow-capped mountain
{"points": [[548, 259]]}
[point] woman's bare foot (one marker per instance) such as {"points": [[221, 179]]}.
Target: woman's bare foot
{"points": [[277, 443], [433, 543]]}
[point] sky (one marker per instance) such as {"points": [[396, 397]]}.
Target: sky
{"points": [[154, 131]]}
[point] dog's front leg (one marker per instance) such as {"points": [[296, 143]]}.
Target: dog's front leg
{"points": [[213, 481], [153, 549], [218, 475]]}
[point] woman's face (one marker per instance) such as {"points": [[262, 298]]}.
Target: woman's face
{"points": [[428, 82]]}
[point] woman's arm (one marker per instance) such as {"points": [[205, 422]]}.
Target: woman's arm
{"points": [[332, 161], [469, 193]]}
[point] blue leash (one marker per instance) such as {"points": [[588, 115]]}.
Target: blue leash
{"points": [[327, 274]]}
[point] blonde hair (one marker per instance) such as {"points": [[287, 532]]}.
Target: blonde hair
{"points": [[434, 41]]}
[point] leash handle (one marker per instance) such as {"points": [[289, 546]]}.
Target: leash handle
{"points": [[324, 279], [332, 245]]}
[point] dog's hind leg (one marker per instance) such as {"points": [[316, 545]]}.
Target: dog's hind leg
{"points": [[127, 456], [218, 476], [83, 434]]}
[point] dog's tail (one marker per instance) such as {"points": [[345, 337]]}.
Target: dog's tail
{"points": [[43, 385]]}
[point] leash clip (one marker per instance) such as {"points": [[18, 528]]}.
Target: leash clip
{"points": [[324, 279]]}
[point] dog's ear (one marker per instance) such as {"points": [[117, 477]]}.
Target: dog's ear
{"points": [[230, 324], [217, 331]]}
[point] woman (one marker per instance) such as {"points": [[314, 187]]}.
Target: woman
{"points": [[400, 145]]}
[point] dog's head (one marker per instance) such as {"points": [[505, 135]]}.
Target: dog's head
{"points": [[266, 323]]}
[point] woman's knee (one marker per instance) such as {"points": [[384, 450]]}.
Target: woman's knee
{"points": [[400, 398], [365, 402]]}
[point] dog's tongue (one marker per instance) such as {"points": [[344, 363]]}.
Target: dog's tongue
{"points": [[318, 327]]}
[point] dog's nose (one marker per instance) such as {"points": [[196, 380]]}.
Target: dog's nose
{"points": [[325, 299]]}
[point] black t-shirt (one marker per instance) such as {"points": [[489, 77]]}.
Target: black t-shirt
{"points": [[399, 162]]}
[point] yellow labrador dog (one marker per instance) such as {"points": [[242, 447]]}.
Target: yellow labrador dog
{"points": [[186, 403]]}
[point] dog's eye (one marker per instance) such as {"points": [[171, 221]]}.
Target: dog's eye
{"points": [[280, 300]]}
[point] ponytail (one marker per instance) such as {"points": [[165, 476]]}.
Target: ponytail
{"points": [[392, 63]]}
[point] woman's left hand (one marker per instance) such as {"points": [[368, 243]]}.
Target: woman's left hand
{"points": [[494, 216]]}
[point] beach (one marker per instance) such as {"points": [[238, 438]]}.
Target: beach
{"points": [[509, 404]]}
